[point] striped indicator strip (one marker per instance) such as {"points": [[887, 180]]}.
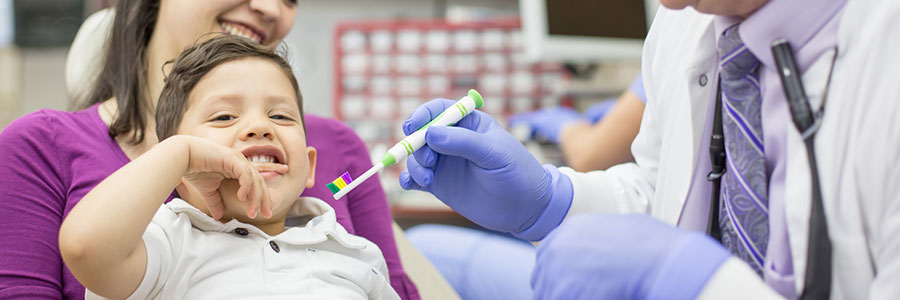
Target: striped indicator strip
{"points": [[340, 183], [462, 108], [407, 146]]}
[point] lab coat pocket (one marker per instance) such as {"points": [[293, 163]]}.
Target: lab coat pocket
{"points": [[851, 267]]}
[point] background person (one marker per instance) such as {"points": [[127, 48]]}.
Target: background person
{"points": [[596, 139], [52, 159]]}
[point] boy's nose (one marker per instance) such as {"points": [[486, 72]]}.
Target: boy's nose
{"points": [[264, 134], [257, 129]]}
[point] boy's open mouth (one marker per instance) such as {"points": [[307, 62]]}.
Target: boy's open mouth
{"points": [[261, 159], [268, 160]]}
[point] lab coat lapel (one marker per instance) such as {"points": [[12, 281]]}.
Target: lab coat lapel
{"points": [[691, 116]]}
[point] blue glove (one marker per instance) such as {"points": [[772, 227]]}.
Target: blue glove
{"points": [[597, 111], [546, 123], [597, 256], [485, 174]]}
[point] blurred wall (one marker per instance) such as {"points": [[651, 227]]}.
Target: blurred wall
{"points": [[32, 78], [10, 84], [311, 40]]}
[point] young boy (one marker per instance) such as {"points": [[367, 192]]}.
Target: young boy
{"points": [[234, 147]]}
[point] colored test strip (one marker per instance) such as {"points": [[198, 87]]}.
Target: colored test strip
{"points": [[340, 183], [346, 178]]}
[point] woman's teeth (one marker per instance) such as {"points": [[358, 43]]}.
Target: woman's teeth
{"points": [[261, 159], [241, 31]]}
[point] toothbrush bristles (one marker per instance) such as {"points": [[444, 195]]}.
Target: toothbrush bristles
{"points": [[342, 191], [340, 183]]}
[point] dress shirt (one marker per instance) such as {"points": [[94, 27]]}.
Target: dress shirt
{"points": [[811, 29]]}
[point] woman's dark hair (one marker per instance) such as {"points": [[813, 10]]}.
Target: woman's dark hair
{"points": [[198, 60], [123, 75]]}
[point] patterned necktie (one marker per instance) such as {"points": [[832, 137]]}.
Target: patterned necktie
{"points": [[744, 204]]}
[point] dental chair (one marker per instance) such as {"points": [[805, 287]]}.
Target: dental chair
{"points": [[83, 65]]}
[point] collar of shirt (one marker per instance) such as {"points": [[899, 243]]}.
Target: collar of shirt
{"points": [[794, 20], [322, 223]]}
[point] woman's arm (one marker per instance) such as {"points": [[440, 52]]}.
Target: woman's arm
{"points": [[32, 202]]}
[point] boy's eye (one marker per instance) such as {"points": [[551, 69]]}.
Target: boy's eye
{"points": [[281, 117], [294, 2], [223, 118]]}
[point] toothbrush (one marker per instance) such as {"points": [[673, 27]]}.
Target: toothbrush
{"points": [[344, 184]]}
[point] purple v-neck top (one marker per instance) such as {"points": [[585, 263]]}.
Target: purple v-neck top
{"points": [[50, 159]]}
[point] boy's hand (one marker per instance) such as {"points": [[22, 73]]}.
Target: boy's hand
{"points": [[209, 164]]}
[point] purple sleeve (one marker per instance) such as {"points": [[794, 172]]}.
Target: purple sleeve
{"points": [[370, 212], [32, 198]]}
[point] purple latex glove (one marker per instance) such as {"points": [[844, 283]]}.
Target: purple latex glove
{"points": [[547, 122], [603, 256], [485, 174]]}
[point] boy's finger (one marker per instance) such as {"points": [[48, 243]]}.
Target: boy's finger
{"points": [[267, 201], [260, 185], [213, 201], [263, 194], [243, 172], [251, 209], [215, 206], [258, 190]]}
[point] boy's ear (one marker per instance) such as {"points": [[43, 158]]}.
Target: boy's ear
{"points": [[311, 180]]}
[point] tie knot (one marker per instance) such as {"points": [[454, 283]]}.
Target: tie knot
{"points": [[735, 59]]}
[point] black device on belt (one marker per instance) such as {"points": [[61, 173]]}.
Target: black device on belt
{"points": [[817, 283]]}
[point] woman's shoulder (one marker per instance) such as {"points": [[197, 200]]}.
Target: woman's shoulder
{"points": [[53, 131], [330, 134], [317, 124], [54, 122]]}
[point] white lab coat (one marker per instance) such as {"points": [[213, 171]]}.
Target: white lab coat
{"points": [[858, 148]]}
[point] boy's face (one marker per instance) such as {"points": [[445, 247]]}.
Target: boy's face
{"points": [[249, 104]]}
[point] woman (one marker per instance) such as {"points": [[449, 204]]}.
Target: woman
{"points": [[51, 159]]}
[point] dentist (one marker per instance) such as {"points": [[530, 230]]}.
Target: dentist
{"points": [[709, 69]]}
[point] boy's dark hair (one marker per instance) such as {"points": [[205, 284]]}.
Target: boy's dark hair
{"points": [[195, 62]]}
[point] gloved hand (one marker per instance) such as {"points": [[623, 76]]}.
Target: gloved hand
{"points": [[597, 111], [602, 256], [485, 174], [546, 123]]}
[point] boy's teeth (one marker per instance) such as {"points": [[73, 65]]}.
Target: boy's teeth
{"points": [[261, 159]]}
